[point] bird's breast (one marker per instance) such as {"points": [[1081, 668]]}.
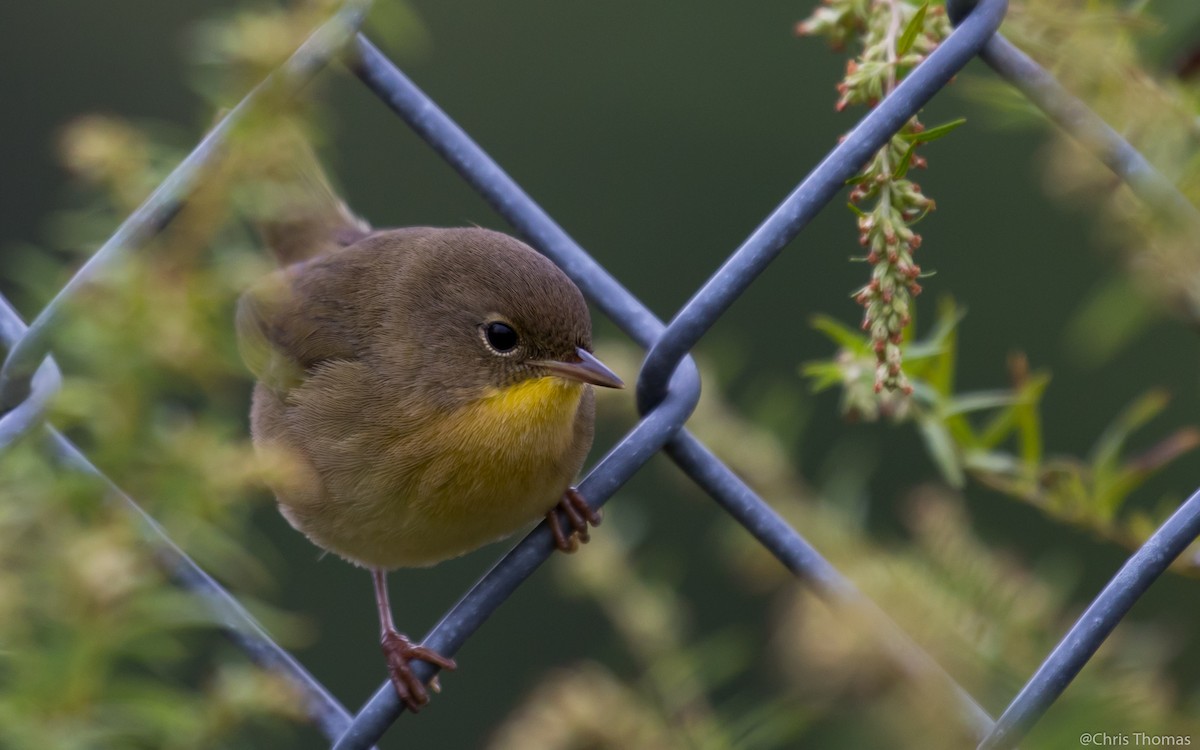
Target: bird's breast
{"points": [[501, 462]]}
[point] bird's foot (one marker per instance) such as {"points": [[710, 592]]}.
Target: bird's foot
{"points": [[579, 514], [399, 651]]}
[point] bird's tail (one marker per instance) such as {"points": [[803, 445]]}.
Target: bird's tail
{"points": [[299, 214]]}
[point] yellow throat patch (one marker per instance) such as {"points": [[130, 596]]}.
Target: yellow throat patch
{"points": [[539, 405], [527, 421]]}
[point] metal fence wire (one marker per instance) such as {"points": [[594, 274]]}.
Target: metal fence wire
{"points": [[668, 385]]}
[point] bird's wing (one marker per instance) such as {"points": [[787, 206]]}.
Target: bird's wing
{"points": [[303, 216], [285, 329]]}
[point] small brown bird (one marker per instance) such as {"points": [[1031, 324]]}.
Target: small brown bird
{"points": [[428, 389]]}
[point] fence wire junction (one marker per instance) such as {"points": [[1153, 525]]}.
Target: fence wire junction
{"points": [[668, 385]]}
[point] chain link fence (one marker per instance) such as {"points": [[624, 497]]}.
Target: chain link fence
{"points": [[668, 385]]}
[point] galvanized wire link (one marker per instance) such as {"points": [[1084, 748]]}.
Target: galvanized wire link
{"points": [[32, 411], [46, 382], [668, 384]]}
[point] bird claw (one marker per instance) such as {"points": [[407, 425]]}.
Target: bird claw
{"points": [[399, 651], [579, 514]]}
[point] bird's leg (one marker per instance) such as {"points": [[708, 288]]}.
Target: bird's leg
{"points": [[579, 514], [399, 651]]}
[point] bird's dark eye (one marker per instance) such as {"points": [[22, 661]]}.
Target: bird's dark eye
{"points": [[501, 336]]}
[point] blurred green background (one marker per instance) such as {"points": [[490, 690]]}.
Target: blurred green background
{"points": [[658, 135]]}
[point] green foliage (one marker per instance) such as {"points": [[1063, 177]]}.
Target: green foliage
{"points": [[914, 27], [894, 36], [98, 649], [996, 436], [925, 136]]}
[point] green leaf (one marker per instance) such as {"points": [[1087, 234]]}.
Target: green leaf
{"points": [[1109, 496], [1029, 424], [905, 161], [1113, 482], [932, 134], [953, 412], [758, 725], [824, 375], [916, 139], [1004, 423], [919, 350], [912, 222], [1112, 493], [993, 462], [949, 315], [1107, 450], [941, 375], [841, 334], [979, 401], [922, 393], [858, 179], [941, 449], [914, 27], [857, 211], [962, 432]]}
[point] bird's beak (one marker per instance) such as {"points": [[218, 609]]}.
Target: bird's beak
{"points": [[587, 370]]}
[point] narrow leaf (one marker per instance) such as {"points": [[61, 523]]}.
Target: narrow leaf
{"points": [[919, 350], [979, 401], [942, 369], [962, 432], [1029, 425], [822, 375], [993, 462], [1112, 490], [932, 134], [914, 27], [941, 449], [1004, 423], [841, 334], [905, 162], [912, 222], [1108, 448]]}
